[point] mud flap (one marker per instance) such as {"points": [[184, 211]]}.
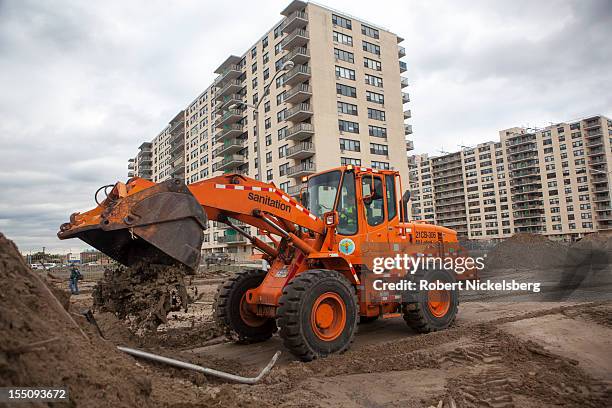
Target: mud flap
{"points": [[162, 224]]}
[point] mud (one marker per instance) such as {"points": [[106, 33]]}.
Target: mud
{"points": [[95, 373], [143, 294], [526, 251]]}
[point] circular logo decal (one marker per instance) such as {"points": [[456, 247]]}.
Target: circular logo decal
{"points": [[346, 246]]}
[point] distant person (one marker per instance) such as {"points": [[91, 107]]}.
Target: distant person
{"points": [[75, 277]]}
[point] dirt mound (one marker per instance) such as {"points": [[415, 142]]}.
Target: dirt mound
{"points": [[94, 371], [144, 294], [526, 251]]}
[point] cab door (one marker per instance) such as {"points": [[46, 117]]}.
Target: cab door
{"points": [[374, 212]]}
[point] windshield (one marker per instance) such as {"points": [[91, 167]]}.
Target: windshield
{"points": [[322, 191]]}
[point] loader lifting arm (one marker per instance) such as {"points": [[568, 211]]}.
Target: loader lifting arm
{"points": [[164, 223]]}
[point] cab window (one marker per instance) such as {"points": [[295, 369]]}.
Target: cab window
{"points": [[374, 210], [391, 201], [347, 208]]}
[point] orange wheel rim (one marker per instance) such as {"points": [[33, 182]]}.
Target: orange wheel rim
{"points": [[328, 316], [247, 316], [438, 302]]}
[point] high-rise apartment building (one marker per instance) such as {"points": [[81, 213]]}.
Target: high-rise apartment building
{"points": [[319, 90], [553, 181]]}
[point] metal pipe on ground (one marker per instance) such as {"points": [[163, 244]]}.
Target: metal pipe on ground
{"points": [[207, 371]]}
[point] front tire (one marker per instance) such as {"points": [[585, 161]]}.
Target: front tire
{"points": [[231, 312], [434, 310], [318, 314]]}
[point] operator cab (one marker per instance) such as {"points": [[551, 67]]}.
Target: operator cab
{"points": [[359, 199]]}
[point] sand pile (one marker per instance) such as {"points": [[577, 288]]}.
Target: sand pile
{"points": [[41, 345], [143, 294], [526, 251]]}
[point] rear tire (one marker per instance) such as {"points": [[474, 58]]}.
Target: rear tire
{"points": [[434, 310], [230, 312], [318, 314]]}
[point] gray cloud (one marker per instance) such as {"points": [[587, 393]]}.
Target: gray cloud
{"points": [[83, 83]]}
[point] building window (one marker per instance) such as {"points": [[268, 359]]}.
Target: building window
{"points": [[350, 145], [380, 165], [376, 114], [347, 108], [268, 123], [346, 126], [278, 31], [379, 149], [377, 131], [278, 48], [282, 151], [282, 133], [373, 80], [342, 22], [346, 90], [269, 175], [254, 52], [346, 73], [266, 74], [345, 161], [369, 47], [342, 55], [267, 106], [280, 98], [264, 42], [254, 82], [369, 31], [268, 140], [280, 80], [375, 97], [282, 169], [372, 64], [280, 116], [343, 38]]}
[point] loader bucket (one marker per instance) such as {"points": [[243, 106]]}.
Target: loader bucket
{"points": [[161, 224]]}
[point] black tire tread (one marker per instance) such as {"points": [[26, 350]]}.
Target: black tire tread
{"points": [[289, 316]]}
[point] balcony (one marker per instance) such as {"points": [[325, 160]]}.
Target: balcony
{"points": [[230, 146], [403, 67], [231, 72], [131, 174], [299, 112], [301, 170], [230, 116], [596, 152], [178, 170], [409, 145], [131, 166], [404, 82], [229, 87], [298, 74], [591, 123], [230, 239], [177, 148], [300, 151], [294, 191], [407, 129], [300, 131], [405, 97], [407, 114], [401, 51], [298, 93], [299, 55], [297, 38], [229, 131], [297, 19], [230, 162], [229, 100]]}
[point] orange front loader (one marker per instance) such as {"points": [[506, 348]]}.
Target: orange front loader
{"points": [[321, 251]]}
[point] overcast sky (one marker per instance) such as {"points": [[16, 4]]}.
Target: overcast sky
{"points": [[83, 83]]}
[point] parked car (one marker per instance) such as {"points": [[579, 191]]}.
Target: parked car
{"points": [[218, 258]]}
